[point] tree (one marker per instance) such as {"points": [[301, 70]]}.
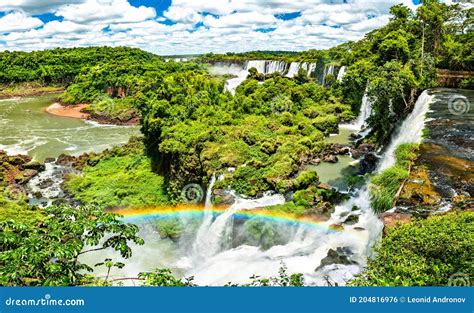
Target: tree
{"points": [[48, 254]]}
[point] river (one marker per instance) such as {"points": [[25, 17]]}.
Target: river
{"points": [[25, 128]]}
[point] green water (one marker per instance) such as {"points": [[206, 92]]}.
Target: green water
{"points": [[335, 174], [342, 137], [25, 128]]}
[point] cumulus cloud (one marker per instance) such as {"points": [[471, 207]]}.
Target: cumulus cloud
{"points": [[35, 6], [193, 26], [114, 11], [18, 21]]}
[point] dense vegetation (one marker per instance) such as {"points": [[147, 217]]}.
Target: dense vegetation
{"points": [[385, 185], [260, 139], [120, 177], [424, 253], [394, 63]]}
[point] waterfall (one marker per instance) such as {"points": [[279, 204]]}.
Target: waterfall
{"points": [[295, 67], [293, 70], [410, 131], [328, 69], [212, 237], [365, 111], [341, 73], [46, 187], [207, 218], [241, 70], [308, 247]]}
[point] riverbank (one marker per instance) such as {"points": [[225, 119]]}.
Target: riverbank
{"points": [[28, 90], [74, 111], [84, 111]]}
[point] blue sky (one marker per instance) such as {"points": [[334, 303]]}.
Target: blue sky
{"points": [[189, 26]]}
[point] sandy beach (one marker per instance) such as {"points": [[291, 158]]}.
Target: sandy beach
{"points": [[73, 111]]}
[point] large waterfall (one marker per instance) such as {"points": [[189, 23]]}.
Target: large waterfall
{"points": [[240, 70], [212, 237], [308, 247]]}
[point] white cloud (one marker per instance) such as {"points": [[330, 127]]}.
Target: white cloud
{"points": [[18, 21], [35, 6], [226, 25], [102, 11]]}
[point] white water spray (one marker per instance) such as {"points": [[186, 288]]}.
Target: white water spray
{"points": [[305, 251]]}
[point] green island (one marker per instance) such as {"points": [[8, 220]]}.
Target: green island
{"points": [[169, 164]]}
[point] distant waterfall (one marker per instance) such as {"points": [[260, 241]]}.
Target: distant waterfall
{"points": [[240, 70], [328, 70], [341, 73], [296, 66], [365, 112]]}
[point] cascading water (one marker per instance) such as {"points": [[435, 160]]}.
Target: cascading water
{"points": [[212, 238], [410, 131], [306, 250], [241, 70], [45, 187], [341, 73]]}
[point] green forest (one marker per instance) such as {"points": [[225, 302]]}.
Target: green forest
{"points": [[268, 132]]}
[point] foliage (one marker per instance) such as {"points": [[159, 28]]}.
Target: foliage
{"points": [[119, 178], [423, 253], [399, 59], [170, 228], [47, 254], [384, 186], [164, 278]]}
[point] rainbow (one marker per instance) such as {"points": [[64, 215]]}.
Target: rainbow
{"points": [[136, 215]]}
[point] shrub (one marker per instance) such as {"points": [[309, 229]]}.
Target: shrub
{"points": [[423, 253]]}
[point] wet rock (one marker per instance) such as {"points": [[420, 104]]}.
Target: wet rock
{"points": [[222, 196], [49, 160], [351, 219], [362, 150], [322, 211], [324, 186], [368, 163], [339, 256], [337, 227], [34, 165], [330, 158], [315, 161], [392, 219], [359, 228], [18, 160], [340, 149], [46, 183], [65, 159], [30, 173]]}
